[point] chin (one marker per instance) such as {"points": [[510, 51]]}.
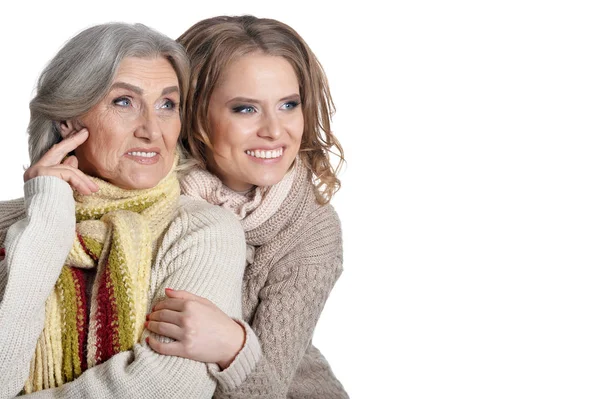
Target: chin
{"points": [[138, 183], [266, 181]]}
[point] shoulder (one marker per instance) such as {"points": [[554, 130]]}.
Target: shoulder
{"points": [[313, 253], [197, 222], [317, 219], [325, 216], [197, 210], [320, 232], [10, 212], [314, 246]]}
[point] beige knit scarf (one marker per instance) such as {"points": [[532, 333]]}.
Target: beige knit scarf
{"points": [[99, 303], [252, 208]]}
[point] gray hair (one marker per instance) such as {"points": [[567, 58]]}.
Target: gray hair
{"points": [[81, 74]]}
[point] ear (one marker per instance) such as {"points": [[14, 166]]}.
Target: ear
{"points": [[66, 128]]}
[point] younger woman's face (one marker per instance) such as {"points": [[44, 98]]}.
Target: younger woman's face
{"points": [[256, 122]]}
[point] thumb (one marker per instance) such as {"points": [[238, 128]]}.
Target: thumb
{"points": [[181, 294]]}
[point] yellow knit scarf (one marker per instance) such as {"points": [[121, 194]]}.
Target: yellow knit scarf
{"points": [[99, 303]]}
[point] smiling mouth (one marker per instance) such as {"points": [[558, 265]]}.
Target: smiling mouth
{"points": [[265, 154], [142, 154]]}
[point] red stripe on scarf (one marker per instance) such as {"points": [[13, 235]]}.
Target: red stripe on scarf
{"points": [[107, 318], [82, 316], [85, 248]]}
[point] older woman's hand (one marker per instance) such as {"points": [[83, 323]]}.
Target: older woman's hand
{"points": [[201, 331], [53, 163]]}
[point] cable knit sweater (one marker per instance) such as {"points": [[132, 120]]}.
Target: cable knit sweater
{"points": [[294, 257], [201, 251]]}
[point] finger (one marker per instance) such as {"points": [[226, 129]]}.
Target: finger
{"points": [[71, 161], [174, 348], [93, 187], [76, 179], [175, 304], [181, 294], [165, 329], [58, 151], [167, 316]]}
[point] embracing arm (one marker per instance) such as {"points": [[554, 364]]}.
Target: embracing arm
{"points": [[202, 252], [36, 248], [290, 304]]}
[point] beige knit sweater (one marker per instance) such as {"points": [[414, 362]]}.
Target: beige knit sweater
{"points": [[202, 251], [294, 257]]}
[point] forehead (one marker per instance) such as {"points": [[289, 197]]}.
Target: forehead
{"points": [[148, 73], [258, 71]]}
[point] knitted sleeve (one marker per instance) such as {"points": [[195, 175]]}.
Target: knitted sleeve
{"points": [[290, 304], [36, 246], [203, 252]]}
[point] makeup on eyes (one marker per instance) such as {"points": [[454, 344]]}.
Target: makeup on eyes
{"points": [[241, 108]]}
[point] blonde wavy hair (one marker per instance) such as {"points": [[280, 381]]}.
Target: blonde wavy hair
{"points": [[212, 44]]}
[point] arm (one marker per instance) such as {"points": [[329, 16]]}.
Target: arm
{"points": [[204, 333], [202, 252], [290, 304], [36, 249]]}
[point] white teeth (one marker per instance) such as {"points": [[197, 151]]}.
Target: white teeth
{"points": [[269, 154], [142, 154]]}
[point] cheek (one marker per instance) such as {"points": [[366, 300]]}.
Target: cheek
{"points": [[101, 128], [171, 130], [225, 136], [296, 128]]}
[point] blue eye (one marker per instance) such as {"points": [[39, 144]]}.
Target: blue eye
{"points": [[290, 105], [169, 105], [122, 102], [244, 109]]}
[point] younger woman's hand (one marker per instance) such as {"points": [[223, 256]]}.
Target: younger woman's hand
{"points": [[201, 331], [53, 163]]}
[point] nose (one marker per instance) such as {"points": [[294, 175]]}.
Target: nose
{"points": [[148, 126], [271, 128]]}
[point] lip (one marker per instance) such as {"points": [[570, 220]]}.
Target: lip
{"points": [[267, 148], [143, 160], [140, 149], [267, 161]]}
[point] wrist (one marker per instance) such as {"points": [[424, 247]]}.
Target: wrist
{"points": [[234, 344]]}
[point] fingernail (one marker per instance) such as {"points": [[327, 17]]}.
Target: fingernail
{"points": [[146, 324], [148, 340], [168, 289], [147, 317]]}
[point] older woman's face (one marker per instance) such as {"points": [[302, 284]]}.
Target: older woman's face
{"points": [[133, 131], [256, 122]]}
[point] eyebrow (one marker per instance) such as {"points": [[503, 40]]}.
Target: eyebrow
{"points": [[254, 101], [140, 91]]}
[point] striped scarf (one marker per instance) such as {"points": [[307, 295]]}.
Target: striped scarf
{"points": [[99, 304]]}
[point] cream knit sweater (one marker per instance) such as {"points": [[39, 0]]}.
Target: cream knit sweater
{"points": [[294, 257], [202, 251]]}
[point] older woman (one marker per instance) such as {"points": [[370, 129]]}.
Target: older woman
{"points": [[81, 270], [259, 128]]}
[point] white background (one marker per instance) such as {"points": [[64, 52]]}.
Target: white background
{"points": [[470, 201]]}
